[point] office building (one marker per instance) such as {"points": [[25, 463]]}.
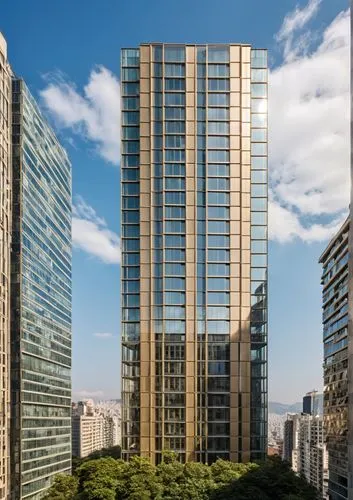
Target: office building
{"points": [[194, 251], [337, 339], [5, 249], [311, 403], [40, 302]]}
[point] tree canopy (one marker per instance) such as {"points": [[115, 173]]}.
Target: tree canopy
{"points": [[108, 478]]}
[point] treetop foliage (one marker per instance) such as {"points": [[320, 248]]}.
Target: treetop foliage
{"points": [[108, 478]]}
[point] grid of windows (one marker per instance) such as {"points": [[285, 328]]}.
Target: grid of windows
{"points": [[41, 300], [216, 131], [130, 192], [258, 326]]}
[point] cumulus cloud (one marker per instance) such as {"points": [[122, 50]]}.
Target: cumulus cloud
{"points": [[94, 114], [103, 335], [309, 133], [91, 234]]}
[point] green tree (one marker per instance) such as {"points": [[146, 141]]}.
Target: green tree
{"points": [[99, 479], [141, 481], [64, 487]]}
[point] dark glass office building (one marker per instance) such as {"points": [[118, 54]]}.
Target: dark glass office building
{"points": [[41, 302], [194, 251], [337, 362]]}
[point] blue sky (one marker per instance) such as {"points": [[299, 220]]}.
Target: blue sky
{"points": [[68, 53]]}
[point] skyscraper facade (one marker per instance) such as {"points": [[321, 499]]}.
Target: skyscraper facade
{"points": [[40, 302], [5, 254], [336, 338], [194, 251]]}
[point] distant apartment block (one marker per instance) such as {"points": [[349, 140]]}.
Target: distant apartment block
{"points": [[313, 461], [337, 339], [291, 440], [5, 254], [94, 427]]}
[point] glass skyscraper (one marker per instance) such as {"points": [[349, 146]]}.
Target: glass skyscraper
{"points": [[194, 251], [5, 269], [338, 424], [40, 302]]}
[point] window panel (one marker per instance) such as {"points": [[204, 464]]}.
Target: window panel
{"points": [[258, 260], [258, 246], [218, 85], [215, 170], [218, 70], [175, 127], [259, 218], [176, 198], [218, 99], [175, 298], [218, 128], [259, 134], [218, 241], [221, 284], [174, 99], [218, 312], [218, 227], [174, 54], [174, 226], [258, 232], [259, 148], [176, 241], [172, 70], [174, 255], [258, 190], [259, 90], [218, 54], [218, 184], [218, 198], [259, 176], [218, 212], [218, 269], [218, 298], [259, 75], [218, 142], [218, 255]]}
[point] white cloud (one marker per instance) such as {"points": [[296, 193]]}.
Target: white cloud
{"points": [[309, 136], [293, 22], [95, 115], [91, 234], [103, 335]]}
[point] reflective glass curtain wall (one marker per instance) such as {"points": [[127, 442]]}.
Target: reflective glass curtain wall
{"points": [[40, 302], [194, 276]]}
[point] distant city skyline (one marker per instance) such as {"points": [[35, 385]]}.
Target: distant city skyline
{"points": [[78, 85]]}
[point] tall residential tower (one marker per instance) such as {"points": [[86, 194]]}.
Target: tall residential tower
{"points": [[40, 302], [194, 251]]}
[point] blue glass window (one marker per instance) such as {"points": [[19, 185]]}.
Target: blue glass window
{"points": [[218, 212], [218, 184], [218, 70], [218, 142], [218, 85], [218, 312], [218, 198], [174, 127], [174, 99], [218, 327], [174, 212], [174, 255], [218, 241], [218, 114], [172, 70], [218, 226], [176, 241], [176, 169], [218, 270], [174, 198], [175, 141], [130, 74], [175, 283], [175, 298], [218, 54], [175, 269], [174, 84], [174, 113], [218, 128], [218, 99], [218, 255], [174, 226], [221, 284], [221, 298], [174, 54]]}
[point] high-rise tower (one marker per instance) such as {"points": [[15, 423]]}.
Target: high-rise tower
{"points": [[194, 251], [5, 254], [40, 302]]}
